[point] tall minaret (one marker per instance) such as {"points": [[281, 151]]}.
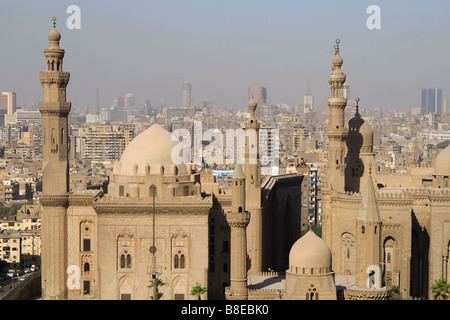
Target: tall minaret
{"points": [[337, 131], [368, 239], [55, 172], [238, 220], [253, 189]]}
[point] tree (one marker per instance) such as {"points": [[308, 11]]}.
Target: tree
{"points": [[158, 283], [317, 229], [395, 294], [440, 289], [198, 290], [443, 144]]}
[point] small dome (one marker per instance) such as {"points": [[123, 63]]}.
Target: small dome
{"points": [[54, 35], [360, 132], [337, 60], [310, 251], [442, 162]]}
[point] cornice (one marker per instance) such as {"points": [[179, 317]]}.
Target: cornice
{"points": [[54, 200], [147, 209]]}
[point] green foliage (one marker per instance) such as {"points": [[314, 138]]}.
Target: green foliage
{"points": [[317, 229], [443, 144], [158, 283], [395, 294], [440, 289], [6, 211], [198, 290]]}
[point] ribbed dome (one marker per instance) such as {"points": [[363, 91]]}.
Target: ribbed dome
{"points": [[153, 148], [310, 251], [442, 162]]}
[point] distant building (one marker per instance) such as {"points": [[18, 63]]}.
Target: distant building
{"points": [[431, 100], [8, 102], [186, 95], [129, 100], [308, 103], [259, 94]]}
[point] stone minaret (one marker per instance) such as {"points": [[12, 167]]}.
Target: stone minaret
{"points": [[337, 131], [253, 189], [55, 174], [368, 239], [360, 155], [238, 220]]}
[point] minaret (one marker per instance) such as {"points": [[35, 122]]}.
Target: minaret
{"points": [[55, 172], [238, 220], [360, 155], [368, 238], [253, 189], [336, 130]]}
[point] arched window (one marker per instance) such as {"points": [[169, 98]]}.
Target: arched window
{"points": [[362, 230], [122, 261], [53, 65], [179, 261], [128, 261], [86, 267], [182, 261]]}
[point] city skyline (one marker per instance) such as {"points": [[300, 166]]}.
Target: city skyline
{"points": [[152, 48]]}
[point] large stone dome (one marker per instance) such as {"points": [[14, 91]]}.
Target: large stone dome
{"points": [[153, 147], [310, 253], [442, 162]]}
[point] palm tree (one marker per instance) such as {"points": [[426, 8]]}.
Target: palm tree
{"points": [[158, 283], [198, 290], [440, 289]]}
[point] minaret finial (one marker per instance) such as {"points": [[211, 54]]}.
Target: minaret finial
{"points": [[357, 105], [336, 47], [54, 22]]}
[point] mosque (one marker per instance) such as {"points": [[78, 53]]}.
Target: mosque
{"points": [[157, 222]]}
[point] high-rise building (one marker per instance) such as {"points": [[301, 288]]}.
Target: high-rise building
{"points": [[8, 102], [129, 100], [308, 103], [186, 94], [259, 94], [431, 100]]}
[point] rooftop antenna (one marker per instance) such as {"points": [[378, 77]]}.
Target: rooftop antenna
{"points": [[308, 92]]}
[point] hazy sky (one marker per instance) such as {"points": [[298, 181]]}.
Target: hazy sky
{"points": [[223, 47]]}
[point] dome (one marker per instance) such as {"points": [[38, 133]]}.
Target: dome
{"points": [[54, 35], [442, 162], [337, 60], [310, 251], [360, 133], [153, 147]]}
